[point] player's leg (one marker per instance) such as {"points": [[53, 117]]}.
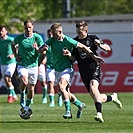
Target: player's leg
{"points": [[44, 90], [42, 79], [11, 69], [59, 99], [65, 97], [8, 73], [32, 80], [76, 102], [23, 77], [50, 75], [64, 78], [51, 93], [113, 98], [95, 94]]}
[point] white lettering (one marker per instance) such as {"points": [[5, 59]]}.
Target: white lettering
{"points": [[129, 79], [110, 78]]}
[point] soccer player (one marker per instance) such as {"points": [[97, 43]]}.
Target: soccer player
{"points": [[50, 74], [89, 70], [62, 64], [8, 63], [42, 78], [27, 58]]}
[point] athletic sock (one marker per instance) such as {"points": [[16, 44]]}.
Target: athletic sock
{"points": [[77, 103], [13, 92], [22, 93], [9, 91], [67, 105], [44, 89], [98, 106], [109, 98], [51, 98], [28, 102]]}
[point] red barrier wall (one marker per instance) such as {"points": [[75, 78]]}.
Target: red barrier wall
{"points": [[115, 78]]}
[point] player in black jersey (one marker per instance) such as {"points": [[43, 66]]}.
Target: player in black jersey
{"points": [[89, 70]]}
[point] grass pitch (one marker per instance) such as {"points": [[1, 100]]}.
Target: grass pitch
{"points": [[47, 119]]}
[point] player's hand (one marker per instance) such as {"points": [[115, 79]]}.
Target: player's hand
{"points": [[97, 42], [35, 46], [42, 48], [10, 56], [66, 52], [99, 60]]}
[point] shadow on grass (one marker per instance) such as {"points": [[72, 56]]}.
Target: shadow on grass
{"points": [[29, 121]]}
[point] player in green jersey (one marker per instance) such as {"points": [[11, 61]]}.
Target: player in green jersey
{"points": [[63, 66], [50, 75], [27, 59], [8, 63]]}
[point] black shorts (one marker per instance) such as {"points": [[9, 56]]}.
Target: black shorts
{"points": [[93, 71]]}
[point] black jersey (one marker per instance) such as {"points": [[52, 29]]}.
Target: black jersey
{"points": [[88, 67], [83, 58]]}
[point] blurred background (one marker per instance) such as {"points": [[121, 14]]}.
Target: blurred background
{"points": [[110, 20]]}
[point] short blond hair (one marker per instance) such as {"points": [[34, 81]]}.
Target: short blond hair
{"points": [[55, 26]]}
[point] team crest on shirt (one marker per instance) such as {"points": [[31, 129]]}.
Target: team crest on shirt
{"points": [[82, 53]]}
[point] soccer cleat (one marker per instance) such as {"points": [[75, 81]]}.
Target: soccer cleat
{"points": [[22, 101], [116, 100], [44, 100], [79, 112], [99, 117], [60, 102], [67, 115], [10, 99], [51, 105]]}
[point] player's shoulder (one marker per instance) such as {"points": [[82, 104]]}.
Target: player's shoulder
{"points": [[69, 39], [36, 35], [10, 38], [92, 36]]}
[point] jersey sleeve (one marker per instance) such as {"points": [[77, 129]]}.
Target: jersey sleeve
{"points": [[72, 41], [39, 40], [93, 37]]}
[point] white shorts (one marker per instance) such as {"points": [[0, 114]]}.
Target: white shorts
{"points": [[66, 74], [50, 74], [30, 73], [42, 73], [8, 69]]}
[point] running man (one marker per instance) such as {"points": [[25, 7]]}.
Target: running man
{"points": [[62, 64], [27, 58], [50, 75], [8, 63], [89, 70]]}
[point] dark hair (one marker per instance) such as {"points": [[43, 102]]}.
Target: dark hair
{"points": [[81, 23], [2, 26], [28, 21], [49, 30]]}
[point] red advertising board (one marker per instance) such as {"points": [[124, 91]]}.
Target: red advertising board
{"points": [[114, 78]]}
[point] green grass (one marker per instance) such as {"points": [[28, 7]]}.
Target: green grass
{"points": [[50, 120]]}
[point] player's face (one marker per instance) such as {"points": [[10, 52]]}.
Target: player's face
{"points": [[28, 29], [3, 33], [57, 33], [82, 32]]}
